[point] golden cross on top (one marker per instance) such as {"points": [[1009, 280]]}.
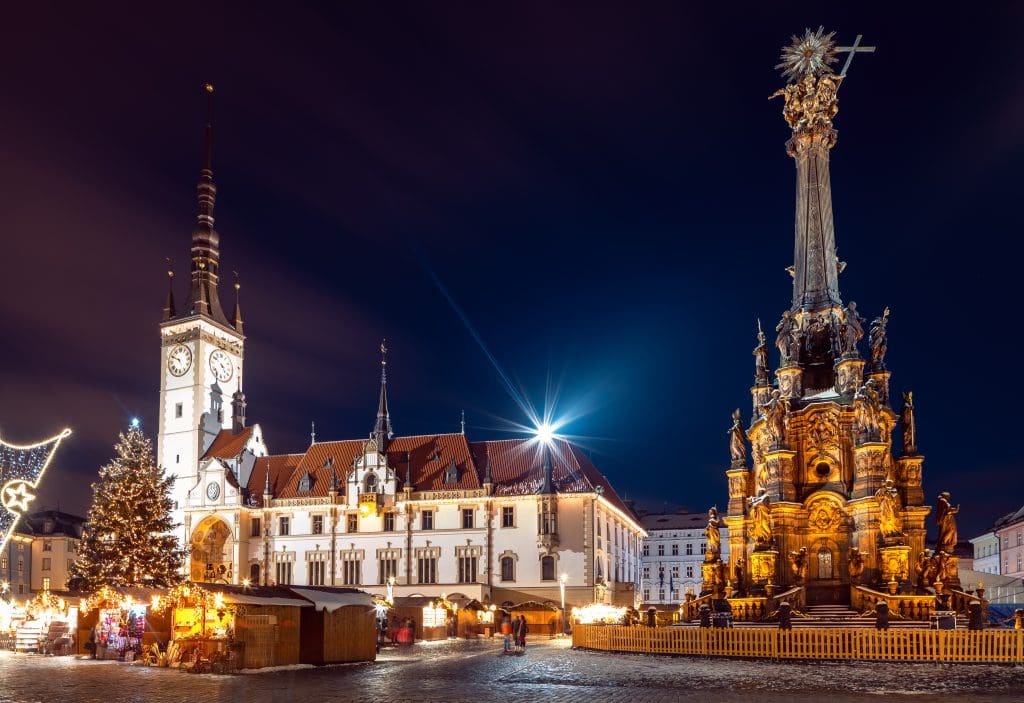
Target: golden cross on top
{"points": [[853, 50]]}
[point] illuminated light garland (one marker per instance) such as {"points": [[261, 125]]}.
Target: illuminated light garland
{"points": [[21, 469]]}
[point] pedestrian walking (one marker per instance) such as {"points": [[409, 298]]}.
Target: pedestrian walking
{"points": [[516, 628]]}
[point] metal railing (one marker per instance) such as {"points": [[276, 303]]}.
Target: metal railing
{"points": [[988, 646]]}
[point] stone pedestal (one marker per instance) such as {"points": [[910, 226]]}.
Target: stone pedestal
{"points": [[763, 566], [739, 488], [713, 578], [789, 378], [849, 375], [894, 563], [759, 395], [908, 479], [870, 461], [778, 474], [950, 575]]}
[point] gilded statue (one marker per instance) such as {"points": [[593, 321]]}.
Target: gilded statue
{"points": [[810, 98], [921, 569], [714, 536], [856, 565], [760, 520], [798, 564], [761, 374], [945, 518], [888, 510], [877, 340], [909, 427], [787, 341], [737, 440]]}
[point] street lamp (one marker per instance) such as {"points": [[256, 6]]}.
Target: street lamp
{"points": [[561, 587], [391, 590]]}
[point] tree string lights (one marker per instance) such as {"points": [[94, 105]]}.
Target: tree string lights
{"points": [[128, 541], [21, 469]]}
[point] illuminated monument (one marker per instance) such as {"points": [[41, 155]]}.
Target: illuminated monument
{"points": [[824, 503]]}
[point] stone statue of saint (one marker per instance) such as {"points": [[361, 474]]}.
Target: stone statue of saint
{"points": [[774, 412], [922, 568], [945, 518], [787, 340], [888, 510], [760, 520], [909, 428], [798, 564], [877, 340], [714, 536], [737, 440], [739, 574], [867, 409], [761, 374], [856, 565], [852, 328]]}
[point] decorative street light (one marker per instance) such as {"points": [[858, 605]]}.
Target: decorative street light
{"points": [[561, 587], [391, 590]]}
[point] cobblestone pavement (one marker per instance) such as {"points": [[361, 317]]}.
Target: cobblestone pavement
{"points": [[476, 672]]}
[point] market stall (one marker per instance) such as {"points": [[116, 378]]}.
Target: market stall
{"points": [[220, 627], [541, 618], [474, 619], [424, 618], [340, 627], [120, 623]]}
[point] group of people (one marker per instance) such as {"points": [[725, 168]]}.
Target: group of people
{"points": [[514, 631]]}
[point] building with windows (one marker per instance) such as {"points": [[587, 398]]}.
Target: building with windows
{"points": [[16, 566], [424, 515], [1009, 531], [54, 548], [672, 555], [986, 553]]}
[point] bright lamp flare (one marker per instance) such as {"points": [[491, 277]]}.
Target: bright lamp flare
{"points": [[545, 433]]}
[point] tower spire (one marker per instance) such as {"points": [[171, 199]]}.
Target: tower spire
{"points": [[203, 296], [382, 431], [169, 310], [549, 485]]}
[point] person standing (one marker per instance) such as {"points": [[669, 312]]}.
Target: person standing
{"points": [[516, 629], [523, 629], [506, 631]]}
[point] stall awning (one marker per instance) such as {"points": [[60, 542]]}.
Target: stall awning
{"points": [[247, 599], [332, 600]]}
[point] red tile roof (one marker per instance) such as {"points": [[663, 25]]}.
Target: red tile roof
{"points": [[516, 467], [228, 444]]}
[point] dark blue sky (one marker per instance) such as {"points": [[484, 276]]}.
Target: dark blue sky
{"points": [[603, 189]]}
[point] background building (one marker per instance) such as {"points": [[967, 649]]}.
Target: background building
{"points": [[54, 548], [16, 565], [1009, 531], [672, 556], [986, 553]]}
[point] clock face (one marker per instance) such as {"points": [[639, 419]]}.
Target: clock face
{"points": [[179, 360], [213, 491], [220, 364]]}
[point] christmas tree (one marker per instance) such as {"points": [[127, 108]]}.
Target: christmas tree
{"points": [[128, 540]]}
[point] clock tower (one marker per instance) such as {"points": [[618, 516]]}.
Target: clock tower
{"points": [[201, 356]]}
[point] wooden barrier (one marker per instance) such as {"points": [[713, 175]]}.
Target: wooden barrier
{"points": [[987, 646]]}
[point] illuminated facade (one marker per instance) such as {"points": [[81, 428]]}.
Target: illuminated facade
{"points": [[673, 555], [440, 514]]}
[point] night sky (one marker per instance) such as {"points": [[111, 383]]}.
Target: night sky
{"points": [[602, 190]]}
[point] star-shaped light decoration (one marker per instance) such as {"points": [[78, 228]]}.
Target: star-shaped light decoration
{"points": [[811, 54], [21, 468]]}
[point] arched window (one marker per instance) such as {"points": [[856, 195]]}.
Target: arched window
{"points": [[254, 574], [370, 483], [824, 563], [547, 569], [508, 569]]}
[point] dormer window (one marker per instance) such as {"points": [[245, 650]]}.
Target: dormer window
{"points": [[306, 483], [451, 474]]}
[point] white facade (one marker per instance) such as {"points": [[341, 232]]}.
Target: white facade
{"points": [[986, 553], [672, 556]]}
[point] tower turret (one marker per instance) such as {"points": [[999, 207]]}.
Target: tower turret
{"points": [[382, 431]]}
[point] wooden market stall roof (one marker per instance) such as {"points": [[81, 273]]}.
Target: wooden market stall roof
{"points": [[257, 595], [330, 599]]}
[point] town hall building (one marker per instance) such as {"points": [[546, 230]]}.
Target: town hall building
{"points": [[498, 521]]}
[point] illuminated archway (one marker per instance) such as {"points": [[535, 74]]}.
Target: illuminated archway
{"points": [[212, 552]]}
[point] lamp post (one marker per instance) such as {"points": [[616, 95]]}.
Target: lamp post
{"points": [[391, 590], [561, 587]]}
